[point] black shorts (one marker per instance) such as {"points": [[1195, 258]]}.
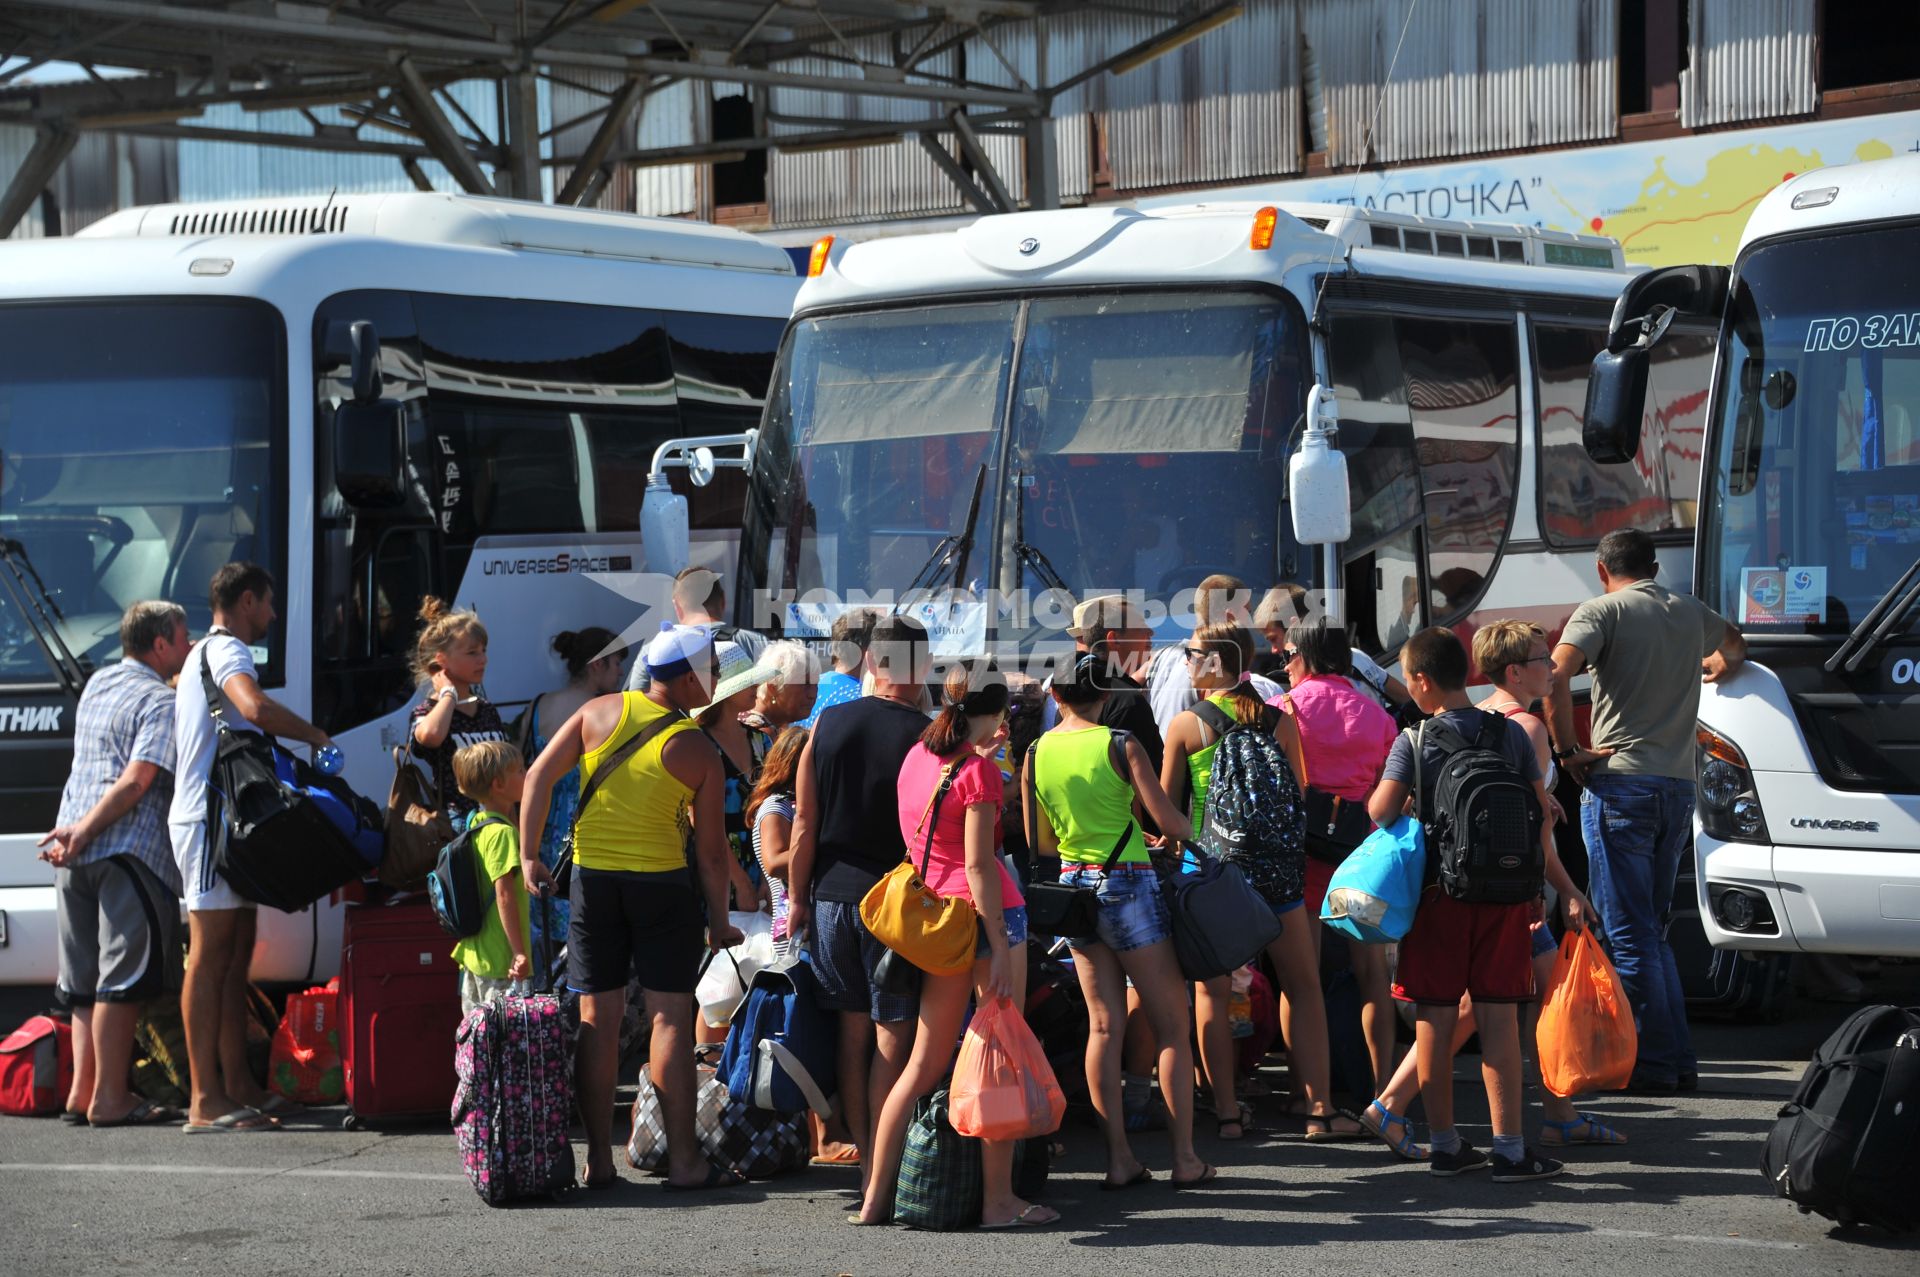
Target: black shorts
{"points": [[648, 924]]}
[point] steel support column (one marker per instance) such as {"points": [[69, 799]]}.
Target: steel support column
{"points": [[441, 138], [1042, 163], [49, 150], [523, 136]]}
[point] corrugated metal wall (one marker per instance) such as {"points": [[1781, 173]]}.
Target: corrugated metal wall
{"points": [[678, 115], [1749, 60], [1225, 106], [105, 172], [892, 179], [1471, 75]]}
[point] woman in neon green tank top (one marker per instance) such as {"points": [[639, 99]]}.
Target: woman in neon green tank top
{"points": [[1219, 655], [1083, 814]]}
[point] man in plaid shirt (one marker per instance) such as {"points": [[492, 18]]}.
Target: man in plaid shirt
{"points": [[115, 882]]}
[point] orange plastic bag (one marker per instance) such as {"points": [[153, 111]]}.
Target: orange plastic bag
{"points": [[1587, 1039], [1003, 1088], [306, 1065]]}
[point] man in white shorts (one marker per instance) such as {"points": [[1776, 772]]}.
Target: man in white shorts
{"points": [[220, 921]]}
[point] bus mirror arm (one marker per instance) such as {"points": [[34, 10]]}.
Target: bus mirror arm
{"points": [[695, 455], [665, 530], [1617, 386], [363, 343]]}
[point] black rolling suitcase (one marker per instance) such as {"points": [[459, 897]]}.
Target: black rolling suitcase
{"points": [[1724, 982]]}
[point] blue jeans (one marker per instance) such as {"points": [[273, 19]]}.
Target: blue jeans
{"points": [[1637, 828]]}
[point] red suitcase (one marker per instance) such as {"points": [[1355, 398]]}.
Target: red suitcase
{"points": [[399, 1010]]}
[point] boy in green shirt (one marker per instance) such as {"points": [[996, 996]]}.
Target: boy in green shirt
{"points": [[491, 773]]}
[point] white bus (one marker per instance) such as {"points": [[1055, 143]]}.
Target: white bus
{"points": [[1808, 825], [1107, 399], [177, 390]]}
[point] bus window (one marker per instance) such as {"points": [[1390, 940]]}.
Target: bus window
{"points": [[1462, 387], [1384, 602], [1581, 500], [879, 427]]}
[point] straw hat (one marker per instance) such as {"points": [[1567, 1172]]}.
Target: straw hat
{"points": [[737, 674]]}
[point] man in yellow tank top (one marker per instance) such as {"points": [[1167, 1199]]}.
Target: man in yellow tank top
{"points": [[637, 904]]}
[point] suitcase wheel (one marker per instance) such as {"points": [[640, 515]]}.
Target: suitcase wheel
{"points": [[350, 1123]]}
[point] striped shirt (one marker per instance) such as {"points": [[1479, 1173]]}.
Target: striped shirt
{"points": [[125, 716]]}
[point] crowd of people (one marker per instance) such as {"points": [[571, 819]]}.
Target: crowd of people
{"points": [[726, 773]]}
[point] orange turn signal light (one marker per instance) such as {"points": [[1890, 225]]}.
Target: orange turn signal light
{"points": [[817, 261], [1263, 223], [1714, 745]]}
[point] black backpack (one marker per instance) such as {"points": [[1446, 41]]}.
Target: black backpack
{"points": [[1255, 818], [458, 888], [1848, 1144], [1484, 822]]}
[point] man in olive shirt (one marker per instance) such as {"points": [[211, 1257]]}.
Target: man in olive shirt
{"points": [[1649, 650]]}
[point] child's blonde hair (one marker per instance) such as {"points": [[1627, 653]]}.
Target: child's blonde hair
{"points": [[440, 628], [1504, 643], [480, 766]]}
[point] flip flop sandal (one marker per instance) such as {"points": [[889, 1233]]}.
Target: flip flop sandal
{"points": [[849, 1156], [73, 1117], [1327, 1135], [242, 1121], [1598, 1132], [1204, 1177], [1025, 1218], [145, 1113], [1143, 1176], [279, 1106], [717, 1177], [1403, 1145], [1242, 1118], [606, 1181]]}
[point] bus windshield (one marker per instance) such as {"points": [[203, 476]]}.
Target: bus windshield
{"points": [[138, 446], [1813, 495], [1125, 440]]}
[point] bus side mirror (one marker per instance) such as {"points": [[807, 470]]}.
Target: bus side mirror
{"points": [[1617, 386], [1317, 477], [1616, 400], [666, 540], [369, 432]]}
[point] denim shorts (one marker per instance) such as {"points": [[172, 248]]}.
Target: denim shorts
{"points": [[844, 956], [1016, 920], [1133, 914]]}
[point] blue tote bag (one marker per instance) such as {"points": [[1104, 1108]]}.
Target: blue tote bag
{"points": [[1376, 889]]}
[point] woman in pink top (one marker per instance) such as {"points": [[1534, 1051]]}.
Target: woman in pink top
{"points": [[958, 833], [1344, 737]]}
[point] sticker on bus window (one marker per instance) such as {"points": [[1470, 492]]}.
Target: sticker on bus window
{"points": [[1776, 596]]}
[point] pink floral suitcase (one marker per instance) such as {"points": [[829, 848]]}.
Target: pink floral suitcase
{"points": [[515, 1098]]}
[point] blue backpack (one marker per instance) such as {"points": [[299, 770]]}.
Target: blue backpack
{"points": [[782, 1050]]}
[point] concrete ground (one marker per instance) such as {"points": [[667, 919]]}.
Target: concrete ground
{"points": [[1685, 1197]]}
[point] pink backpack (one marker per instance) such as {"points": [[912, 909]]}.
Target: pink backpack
{"points": [[36, 1068]]}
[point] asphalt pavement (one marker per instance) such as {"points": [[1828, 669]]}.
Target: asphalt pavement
{"points": [[1685, 1196]]}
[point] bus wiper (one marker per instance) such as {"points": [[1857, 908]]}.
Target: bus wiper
{"points": [[1041, 565], [37, 608], [955, 548], [1888, 612]]}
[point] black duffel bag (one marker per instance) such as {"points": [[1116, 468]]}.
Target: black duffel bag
{"points": [[268, 836], [1847, 1145]]}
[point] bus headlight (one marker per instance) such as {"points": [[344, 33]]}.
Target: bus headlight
{"points": [[1729, 806]]}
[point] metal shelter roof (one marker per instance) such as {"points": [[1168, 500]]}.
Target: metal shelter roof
{"points": [[385, 64]]}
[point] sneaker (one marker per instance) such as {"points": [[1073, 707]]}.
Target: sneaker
{"points": [[1689, 1082], [1532, 1165], [1461, 1160]]}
